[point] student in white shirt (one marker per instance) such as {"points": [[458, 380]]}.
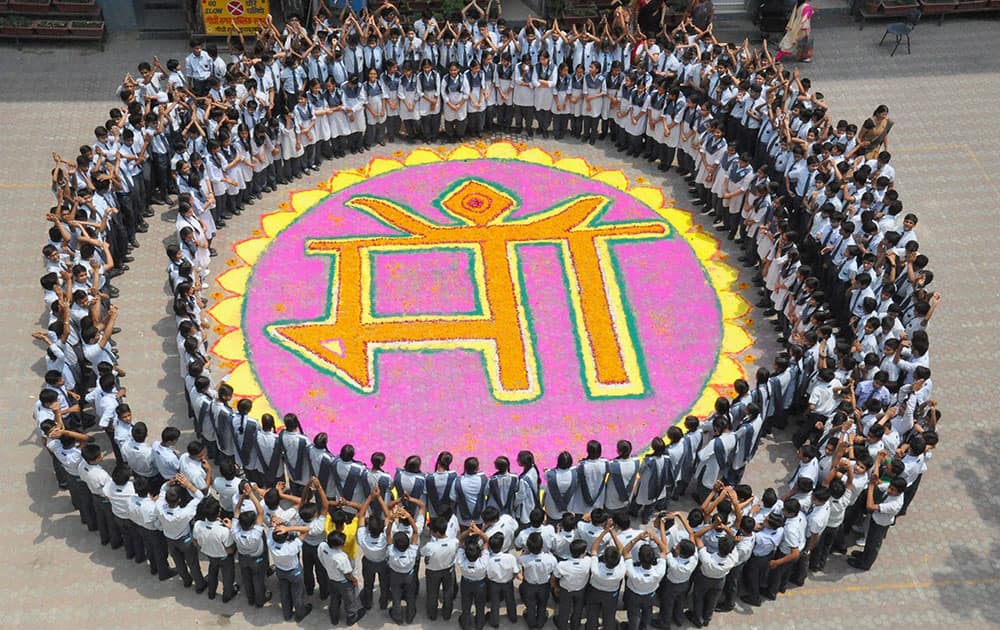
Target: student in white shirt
{"points": [[501, 568], [606, 576], [371, 540], [537, 566], [175, 520], [248, 536], [681, 562], [883, 514], [215, 541], [402, 560], [439, 574], [471, 563], [343, 582], [284, 550], [642, 578]]}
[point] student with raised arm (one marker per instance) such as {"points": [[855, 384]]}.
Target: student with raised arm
{"points": [[606, 576], [402, 561], [471, 563], [248, 535], [643, 577], [371, 538]]}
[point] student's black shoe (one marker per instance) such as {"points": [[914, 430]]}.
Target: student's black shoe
{"points": [[171, 573], [142, 229], [267, 598], [663, 168], [134, 243], [236, 591], [212, 595], [188, 584], [768, 595], [149, 213], [305, 612], [724, 607], [856, 563], [221, 223], [545, 134], [112, 292], [201, 589], [128, 259], [113, 273], [212, 252], [750, 602], [591, 142], [694, 620], [238, 211], [722, 228]]}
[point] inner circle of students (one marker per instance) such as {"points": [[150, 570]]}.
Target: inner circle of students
{"points": [[811, 203]]}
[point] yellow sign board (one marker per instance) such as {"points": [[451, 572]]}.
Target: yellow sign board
{"points": [[219, 15]]}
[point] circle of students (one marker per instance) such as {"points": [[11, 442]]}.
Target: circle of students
{"points": [[812, 205]]}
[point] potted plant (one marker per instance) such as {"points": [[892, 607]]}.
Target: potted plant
{"points": [[87, 28], [15, 25], [51, 28], [29, 6], [937, 7]]}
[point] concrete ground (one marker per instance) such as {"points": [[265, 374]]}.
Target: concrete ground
{"points": [[938, 568]]}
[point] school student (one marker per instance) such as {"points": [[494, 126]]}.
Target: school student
{"points": [[472, 563], [248, 537], [343, 582], [537, 566], [439, 555], [401, 561]]}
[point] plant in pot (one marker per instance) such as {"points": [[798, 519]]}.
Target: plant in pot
{"points": [[87, 28], [51, 28]]}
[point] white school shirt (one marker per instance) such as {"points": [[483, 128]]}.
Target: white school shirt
{"points": [[402, 561], [192, 469], [537, 568], [119, 497], [228, 491], [474, 570], [715, 566], [285, 555], [142, 512], [439, 553], [507, 526], [95, 477], [643, 581], [166, 460], [501, 567], [795, 534], [887, 510], [139, 457], [337, 564], [679, 570], [547, 532], [176, 521], [249, 542], [69, 458], [374, 548], [573, 574], [213, 538], [605, 579]]}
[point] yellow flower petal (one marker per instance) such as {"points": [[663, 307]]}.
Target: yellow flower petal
{"points": [[615, 179], [243, 382], [277, 221], [422, 156], [464, 153], [343, 179], [228, 312], [735, 339], [722, 274], [231, 346], [235, 280], [251, 250], [733, 305], [682, 221], [535, 155], [727, 371], [652, 197], [501, 151], [379, 166], [574, 165], [704, 245], [302, 201]]}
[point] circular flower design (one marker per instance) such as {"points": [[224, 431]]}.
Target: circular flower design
{"points": [[480, 301]]}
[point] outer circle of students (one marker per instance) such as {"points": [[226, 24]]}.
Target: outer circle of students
{"points": [[812, 204]]}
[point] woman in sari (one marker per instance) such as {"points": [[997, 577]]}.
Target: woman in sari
{"points": [[798, 34], [872, 136]]}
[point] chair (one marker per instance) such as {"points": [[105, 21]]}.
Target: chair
{"points": [[902, 29]]}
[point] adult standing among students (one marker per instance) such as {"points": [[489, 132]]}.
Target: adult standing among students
{"points": [[798, 39]]}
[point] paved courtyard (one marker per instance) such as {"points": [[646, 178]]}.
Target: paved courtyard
{"points": [[939, 567]]}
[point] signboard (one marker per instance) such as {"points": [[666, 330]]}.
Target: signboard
{"points": [[219, 15]]}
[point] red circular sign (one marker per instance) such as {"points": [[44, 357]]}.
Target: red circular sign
{"points": [[235, 8]]}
